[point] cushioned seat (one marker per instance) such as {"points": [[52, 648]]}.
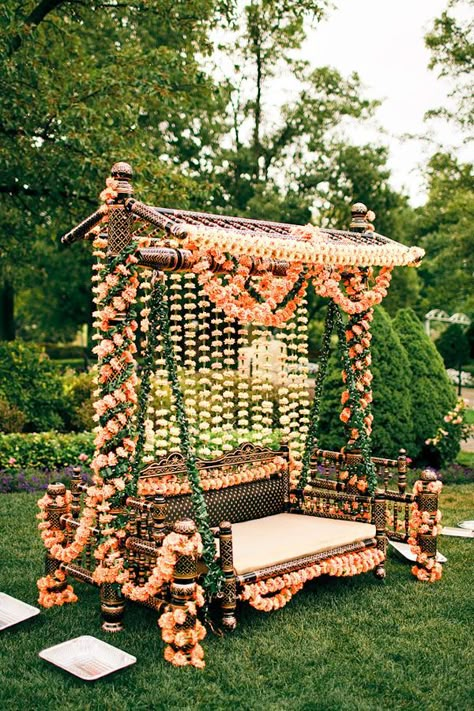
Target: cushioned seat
{"points": [[284, 537]]}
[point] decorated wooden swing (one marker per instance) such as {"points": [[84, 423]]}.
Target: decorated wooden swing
{"points": [[208, 484]]}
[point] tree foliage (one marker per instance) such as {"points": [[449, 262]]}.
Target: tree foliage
{"points": [[444, 228], [451, 41], [84, 85], [453, 346]]}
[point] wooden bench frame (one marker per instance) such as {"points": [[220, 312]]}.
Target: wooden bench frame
{"points": [[151, 517]]}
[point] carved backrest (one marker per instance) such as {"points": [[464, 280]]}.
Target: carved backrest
{"points": [[331, 470], [247, 483], [332, 477]]}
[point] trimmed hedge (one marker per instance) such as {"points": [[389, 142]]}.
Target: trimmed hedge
{"points": [[30, 383], [44, 450]]}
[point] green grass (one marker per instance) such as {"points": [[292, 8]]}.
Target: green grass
{"points": [[340, 644], [466, 459], [469, 417]]}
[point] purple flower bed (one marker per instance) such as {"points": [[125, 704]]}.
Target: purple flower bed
{"points": [[30, 480]]}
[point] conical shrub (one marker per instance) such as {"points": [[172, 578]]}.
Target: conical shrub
{"points": [[392, 397], [433, 395]]}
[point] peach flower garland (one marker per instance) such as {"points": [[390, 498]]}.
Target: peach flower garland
{"points": [[274, 593], [180, 628], [327, 283], [234, 298], [219, 479], [49, 596]]}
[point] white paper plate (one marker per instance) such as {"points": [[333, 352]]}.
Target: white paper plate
{"points": [[467, 524], [87, 657], [403, 550], [13, 611], [458, 532]]}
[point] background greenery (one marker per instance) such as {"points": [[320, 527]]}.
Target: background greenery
{"points": [[185, 92]]}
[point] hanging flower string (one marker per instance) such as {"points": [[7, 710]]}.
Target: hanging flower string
{"points": [[275, 593], [327, 283], [359, 430], [159, 312], [311, 438]]}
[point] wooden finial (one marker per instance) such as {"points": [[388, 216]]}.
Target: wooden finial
{"points": [[123, 173], [359, 215]]}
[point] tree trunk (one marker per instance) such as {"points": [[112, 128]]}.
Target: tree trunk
{"points": [[7, 316]]}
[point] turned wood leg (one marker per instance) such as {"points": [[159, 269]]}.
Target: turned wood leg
{"points": [[112, 607], [428, 504], [229, 596], [380, 516]]}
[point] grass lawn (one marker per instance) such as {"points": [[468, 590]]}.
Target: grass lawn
{"points": [[469, 417], [340, 644]]}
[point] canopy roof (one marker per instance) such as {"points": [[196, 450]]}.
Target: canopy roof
{"points": [[278, 240], [202, 232]]}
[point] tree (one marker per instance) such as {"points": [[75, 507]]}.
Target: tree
{"points": [[444, 229], [452, 55], [281, 157], [432, 393], [392, 394], [453, 346], [84, 85]]}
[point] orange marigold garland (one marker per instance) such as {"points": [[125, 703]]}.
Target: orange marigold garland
{"points": [[275, 593], [327, 283], [266, 304], [219, 479], [53, 591]]}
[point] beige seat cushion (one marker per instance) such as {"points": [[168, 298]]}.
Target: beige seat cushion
{"points": [[277, 539]]}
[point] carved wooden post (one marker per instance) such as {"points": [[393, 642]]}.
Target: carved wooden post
{"points": [[402, 471], [159, 517], [428, 503], [183, 583], [54, 513], [120, 220], [380, 521], [229, 594], [119, 236], [76, 481]]}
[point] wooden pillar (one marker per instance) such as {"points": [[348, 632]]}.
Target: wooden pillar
{"points": [[229, 593], [427, 503], [380, 521], [183, 583], [54, 513], [76, 481], [159, 517], [120, 220], [402, 471]]}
